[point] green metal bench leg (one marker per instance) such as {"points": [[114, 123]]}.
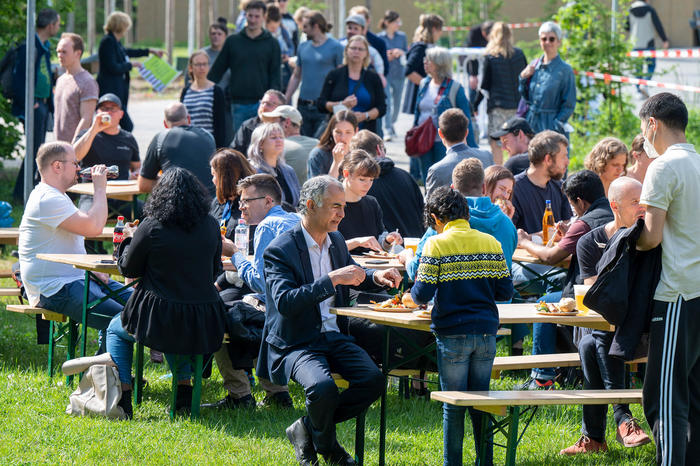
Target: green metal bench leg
{"points": [[197, 389], [72, 330], [360, 438], [173, 392], [138, 383], [512, 440], [51, 347], [483, 444]]}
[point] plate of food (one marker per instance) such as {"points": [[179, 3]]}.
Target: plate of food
{"points": [[423, 313], [379, 255], [565, 307], [397, 303]]}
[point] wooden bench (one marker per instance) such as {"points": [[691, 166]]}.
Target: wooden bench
{"points": [[11, 292], [5, 273], [509, 404], [26, 309]]}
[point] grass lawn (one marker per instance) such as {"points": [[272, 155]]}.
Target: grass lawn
{"points": [[35, 429]]}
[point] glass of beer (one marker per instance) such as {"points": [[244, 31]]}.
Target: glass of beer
{"points": [[411, 243], [580, 291]]}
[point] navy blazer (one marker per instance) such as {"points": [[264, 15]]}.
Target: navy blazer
{"points": [[293, 315], [115, 66]]}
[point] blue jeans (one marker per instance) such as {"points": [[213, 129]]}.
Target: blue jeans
{"points": [[464, 363], [431, 157], [544, 339], [241, 112], [69, 301], [121, 346], [394, 91], [414, 168], [650, 64], [601, 371]]}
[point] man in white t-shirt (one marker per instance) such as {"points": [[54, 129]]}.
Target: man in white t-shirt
{"points": [[53, 224], [671, 191]]}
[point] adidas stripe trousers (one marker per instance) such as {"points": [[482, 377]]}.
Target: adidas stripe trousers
{"points": [[672, 382]]}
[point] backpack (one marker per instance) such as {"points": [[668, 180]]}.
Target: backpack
{"points": [[7, 66]]}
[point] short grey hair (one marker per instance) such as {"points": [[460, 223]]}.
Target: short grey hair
{"points": [[619, 187], [441, 58], [255, 153], [550, 26], [176, 113], [315, 189]]}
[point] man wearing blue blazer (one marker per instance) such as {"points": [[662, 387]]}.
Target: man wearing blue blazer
{"points": [[309, 269]]}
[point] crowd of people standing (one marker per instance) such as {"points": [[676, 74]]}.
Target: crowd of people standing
{"points": [[281, 128]]}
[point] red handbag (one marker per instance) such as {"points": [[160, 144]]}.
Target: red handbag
{"points": [[420, 139]]}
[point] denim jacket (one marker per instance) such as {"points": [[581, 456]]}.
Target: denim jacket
{"points": [[551, 95], [444, 103]]}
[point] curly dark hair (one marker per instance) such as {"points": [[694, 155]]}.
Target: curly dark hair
{"points": [[447, 205], [178, 200]]}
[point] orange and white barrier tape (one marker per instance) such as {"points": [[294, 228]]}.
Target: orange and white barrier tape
{"points": [[510, 25], [608, 78], [671, 53]]}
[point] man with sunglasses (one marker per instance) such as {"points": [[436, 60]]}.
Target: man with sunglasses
{"points": [[52, 224], [515, 135]]}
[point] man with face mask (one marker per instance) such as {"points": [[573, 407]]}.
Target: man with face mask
{"points": [[671, 192]]}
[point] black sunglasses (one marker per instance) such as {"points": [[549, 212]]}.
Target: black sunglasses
{"points": [[548, 39]]}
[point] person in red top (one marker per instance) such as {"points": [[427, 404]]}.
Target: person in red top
{"points": [[586, 194]]}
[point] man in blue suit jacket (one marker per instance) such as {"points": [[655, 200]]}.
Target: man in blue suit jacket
{"points": [[309, 269]]}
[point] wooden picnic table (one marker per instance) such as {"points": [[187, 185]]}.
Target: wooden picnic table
{"points": [[522, 255], [379, 264], [123, 190], [11, 235], [508, 314]]}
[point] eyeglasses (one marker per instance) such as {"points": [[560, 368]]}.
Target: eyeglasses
{"points": [[548, 39], [357, 49], [244, 202], [74, 162], [200, 65], [267, 103]]}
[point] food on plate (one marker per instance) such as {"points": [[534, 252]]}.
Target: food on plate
{"points": [[407, 300], [424, 313], [566, 305]]}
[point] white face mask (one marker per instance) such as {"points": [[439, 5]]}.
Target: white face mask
{"points": [[649, 146]]}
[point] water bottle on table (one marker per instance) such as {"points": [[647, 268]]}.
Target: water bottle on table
{"points": [[240, 237]]}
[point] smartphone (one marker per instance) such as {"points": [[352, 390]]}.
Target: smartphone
{"points": [[376, 262], [107, 261]]}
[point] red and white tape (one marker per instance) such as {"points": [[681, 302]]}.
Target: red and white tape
{"points": [[510, 25], [642, 82], [671, 53]]}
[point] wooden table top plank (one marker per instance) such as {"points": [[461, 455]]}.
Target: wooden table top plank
{"points": [[521, 313], [499, 398], [90, 262], [11, 235], [124, 192], [364, 261]]}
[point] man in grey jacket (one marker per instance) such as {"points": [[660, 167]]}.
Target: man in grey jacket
{"points": [[453, 127]]}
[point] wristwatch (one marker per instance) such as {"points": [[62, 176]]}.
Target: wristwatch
{"points": [[367, 116]]}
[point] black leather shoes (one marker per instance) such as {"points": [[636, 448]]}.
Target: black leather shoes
{"points": [[300, 438], [229, 402], [279, 400], [339, 457]]}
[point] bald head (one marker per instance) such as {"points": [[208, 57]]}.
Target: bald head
{"points": [[176, 115], [622, 187]]}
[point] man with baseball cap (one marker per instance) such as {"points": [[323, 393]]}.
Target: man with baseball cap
{"points": [[104, 142], [515, 135], [296, 146], [356, 25]]}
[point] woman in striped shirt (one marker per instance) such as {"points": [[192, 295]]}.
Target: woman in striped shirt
{"points": [[204, 100]]}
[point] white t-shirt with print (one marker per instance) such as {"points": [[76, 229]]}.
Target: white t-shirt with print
{"points": [[672, 183], [46, 209]]}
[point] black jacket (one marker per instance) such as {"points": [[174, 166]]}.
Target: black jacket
{"points": [[115, 66], [244, 325], [414, 64], [501, 80], [624, 290], [336, 88], [244, 134], [221, 116], [400, 199]]}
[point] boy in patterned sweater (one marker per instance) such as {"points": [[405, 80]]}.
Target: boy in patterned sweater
{"points": [[465, 272]]}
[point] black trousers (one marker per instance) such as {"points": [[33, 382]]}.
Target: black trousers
{"points": [[335, 352], [672, 381]]}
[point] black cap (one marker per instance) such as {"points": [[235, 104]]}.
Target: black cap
{"points": [[512, 125], [109, 97]]}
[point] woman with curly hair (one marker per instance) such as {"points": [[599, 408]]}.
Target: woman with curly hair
{"points": [[266, 155], [608, 159], [174, 309]]}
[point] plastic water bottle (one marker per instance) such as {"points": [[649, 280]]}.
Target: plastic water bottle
{"points": [[240, 237], [118, 235]]}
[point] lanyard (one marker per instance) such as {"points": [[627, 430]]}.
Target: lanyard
{"points": [[442, 89], [226, 215]]}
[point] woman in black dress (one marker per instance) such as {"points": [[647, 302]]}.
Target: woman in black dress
{"points": [[176, 251], [114, 62]]}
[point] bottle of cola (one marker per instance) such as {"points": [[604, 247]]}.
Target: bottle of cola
{"points": [[112, 172], [118, 235]]}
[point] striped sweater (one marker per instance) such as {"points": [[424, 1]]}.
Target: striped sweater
{"points": [[465, 272]]}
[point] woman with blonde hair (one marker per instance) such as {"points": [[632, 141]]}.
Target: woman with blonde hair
{"points": [[115, 66], [608, 159], [427, 34], [354, 86], [266, 155], [205, 101], [502, 66]]}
